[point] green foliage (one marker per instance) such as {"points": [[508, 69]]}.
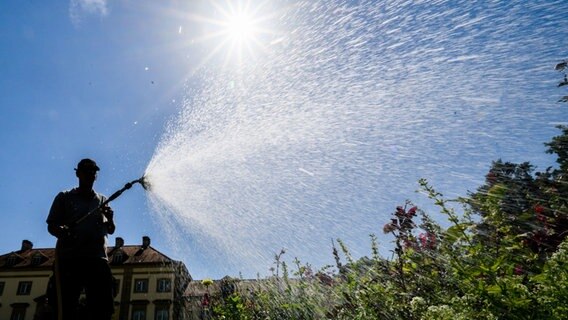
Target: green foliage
{"points": [[552, 291], [232, 307], [504, 256]]}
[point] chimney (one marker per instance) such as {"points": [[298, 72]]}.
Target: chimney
{"points": [[145, 242], [26, 245], [118, 242]]}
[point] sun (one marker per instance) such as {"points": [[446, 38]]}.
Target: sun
{"points": [[236, 30], [241, 28]]}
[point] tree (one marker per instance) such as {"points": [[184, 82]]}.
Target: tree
{"points": [[532, 207]]}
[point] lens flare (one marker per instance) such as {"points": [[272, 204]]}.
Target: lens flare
{"points": [[238, 30]]}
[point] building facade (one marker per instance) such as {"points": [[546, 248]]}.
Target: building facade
{"points": [[148, 284]]}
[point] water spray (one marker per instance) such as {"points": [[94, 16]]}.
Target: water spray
{"points": [[142, 181]]}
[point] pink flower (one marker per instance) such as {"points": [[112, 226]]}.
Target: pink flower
{"points": [[423, 239], [427, 240], [412, 211], [432, 241], [400, 212], [518, 270]]}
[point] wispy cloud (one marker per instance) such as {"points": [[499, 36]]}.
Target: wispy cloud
{"points": [[80, 8]]}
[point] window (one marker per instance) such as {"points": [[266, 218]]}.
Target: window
{"points": [[139, 313], [37, 259], [18, 313], [24, 288], [119, 257], [164, 285], [2, 284], [162, 313], [141, 285], [12, 260]]}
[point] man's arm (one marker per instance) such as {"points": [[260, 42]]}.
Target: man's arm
{"points": [[58, 231], [54, 221], [109, 215]]}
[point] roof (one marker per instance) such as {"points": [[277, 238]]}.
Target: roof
{"points": [[25, 258], [132, 254], [44, 257]]}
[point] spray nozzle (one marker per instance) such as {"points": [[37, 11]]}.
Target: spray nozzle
{"points": [[142, 181]]}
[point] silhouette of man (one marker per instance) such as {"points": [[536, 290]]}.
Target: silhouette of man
{"points": [[81, 258]]}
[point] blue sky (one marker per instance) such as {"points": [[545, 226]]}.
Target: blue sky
{"points": [[94, 80], [102, 79]]}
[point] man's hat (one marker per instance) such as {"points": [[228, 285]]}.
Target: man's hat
{"points": [[87, 164]]}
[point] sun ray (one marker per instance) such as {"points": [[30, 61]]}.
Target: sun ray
{"points": [[240, 29], [209, 36], [211, 54]]}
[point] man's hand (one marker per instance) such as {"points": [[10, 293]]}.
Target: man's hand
{"points": [[60, 232], [107, 212]]}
